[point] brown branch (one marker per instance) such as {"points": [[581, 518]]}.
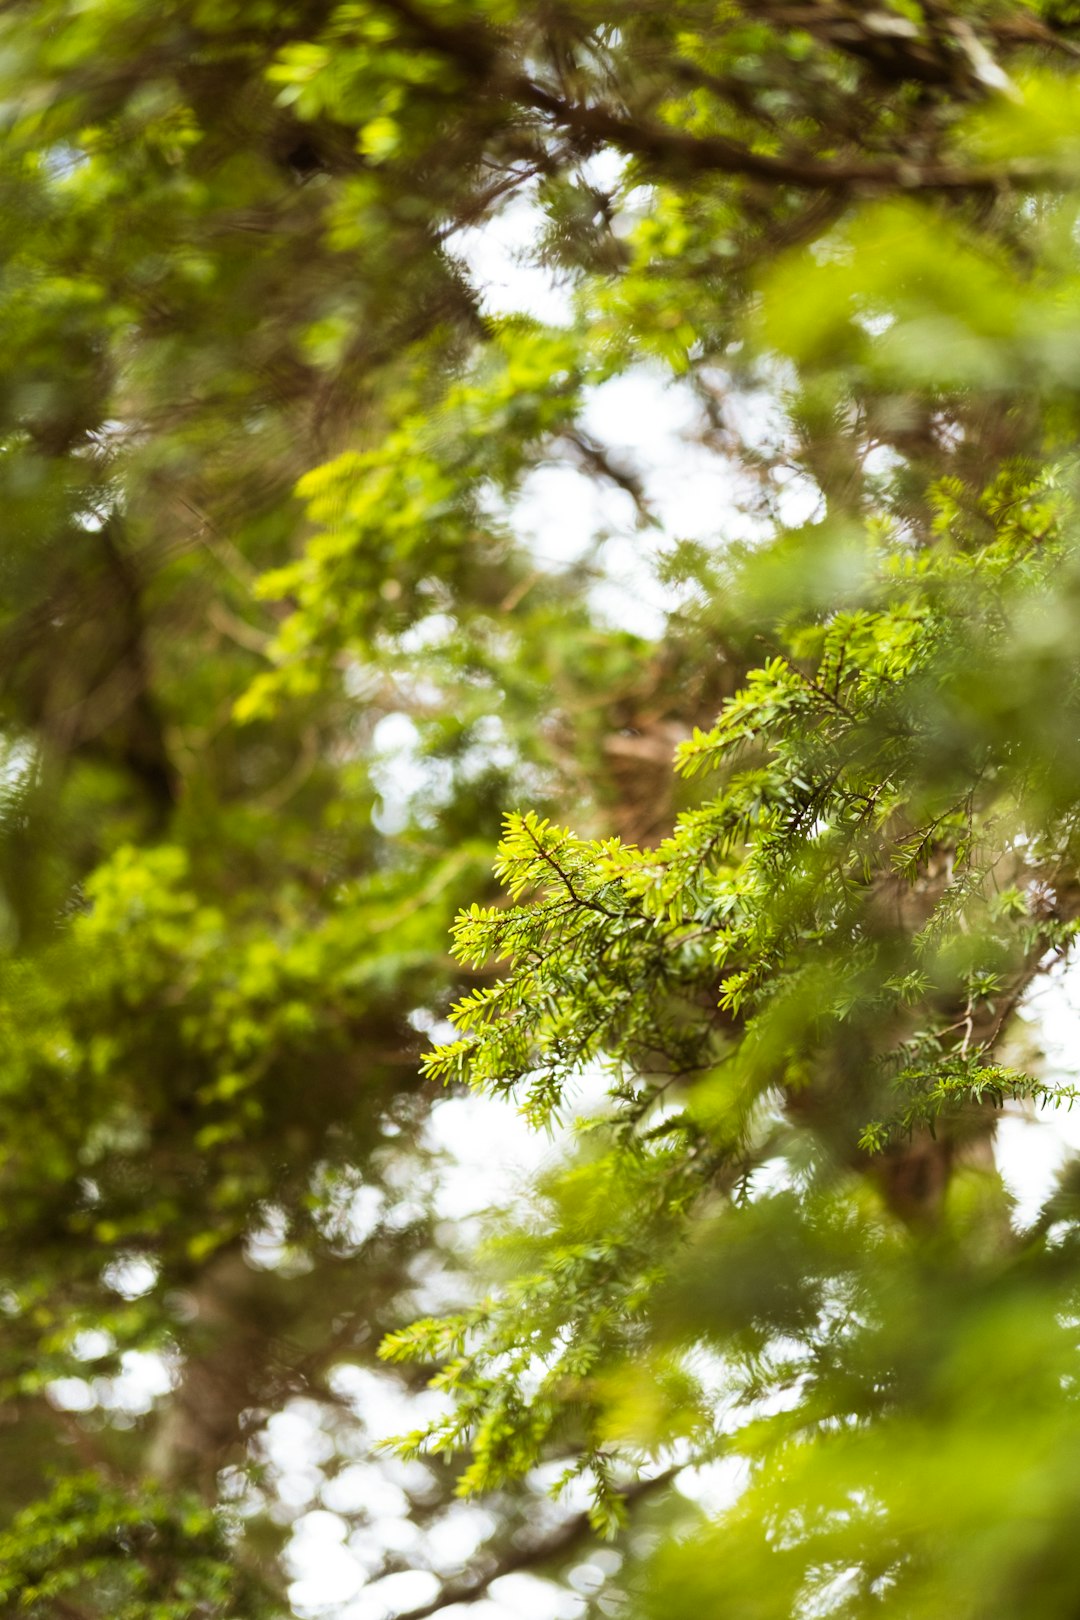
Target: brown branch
{"points": [[596, 459], [476, 51], [69, 1610], [1030, 30], [469, 1588], [567, 881], [678, 152]]}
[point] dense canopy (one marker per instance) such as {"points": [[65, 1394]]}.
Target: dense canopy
{"points": [[300, 660]]}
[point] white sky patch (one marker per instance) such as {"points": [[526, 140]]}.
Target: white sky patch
{"points": [[17, 761], [1033, 1143], [493, 1154], [268, 1249], [91, 1344], [144, 1376], [380, 1401], [716, 1486], [452, 1538], [130, 1275], [364, 1488], [500, 254], [393, 1595], [327, 1574], [525, 1597], [650, 427], [400, 772], [497, 256], [652, 422], [563, 511]]}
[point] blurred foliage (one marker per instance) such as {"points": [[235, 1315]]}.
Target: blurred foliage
{"points": [[278, 660], [169, 1560]]}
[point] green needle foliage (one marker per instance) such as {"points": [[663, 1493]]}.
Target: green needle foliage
{"points": [[266, 452]]}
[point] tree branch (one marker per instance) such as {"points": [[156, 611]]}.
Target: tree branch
{"points": [[469, 1588], [476, 52], [685, 154]]}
